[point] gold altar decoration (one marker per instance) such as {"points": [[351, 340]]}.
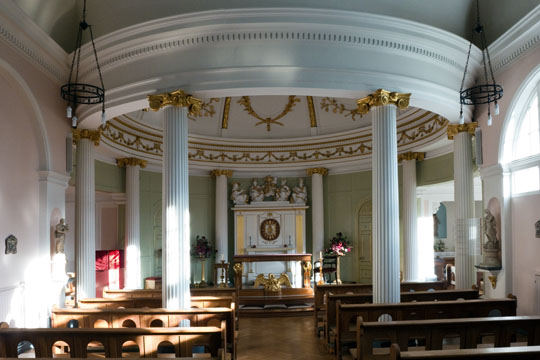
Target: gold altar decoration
{"points": [[272, 284], [86, 134], [176, 98], [383, 97], [270, 229], [224, 276], [245, 101], [131, 161], [493, 280], [219, 172], [418, 156], [454, 129], [319, 170]]}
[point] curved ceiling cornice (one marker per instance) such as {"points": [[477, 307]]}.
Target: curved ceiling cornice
{"points": [[280, 51]]}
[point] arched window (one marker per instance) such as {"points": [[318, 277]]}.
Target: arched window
{"points": [[521, 150]]}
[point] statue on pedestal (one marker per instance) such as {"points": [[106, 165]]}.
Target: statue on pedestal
{"points": [[239, 196], [60, 236], [492, 246], [299, 193], [256, 192], [283, 191]]}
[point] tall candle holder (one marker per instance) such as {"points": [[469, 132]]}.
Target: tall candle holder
{"points": [[224, 274], [203, 283], [321, 275]]}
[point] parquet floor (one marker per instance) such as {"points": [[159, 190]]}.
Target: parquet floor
{"points": [[280, 338]]}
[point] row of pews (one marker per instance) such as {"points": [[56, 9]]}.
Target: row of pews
{"points": [[429, 323], [133, 324]]}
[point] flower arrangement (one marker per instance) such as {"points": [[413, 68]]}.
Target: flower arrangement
{"points": [[339, 245], [202, 248]]}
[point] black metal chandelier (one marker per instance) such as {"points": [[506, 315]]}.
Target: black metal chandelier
{"points": [[487, 93], [76, 93]]}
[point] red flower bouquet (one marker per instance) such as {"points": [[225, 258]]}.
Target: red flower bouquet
{"points": [[202, 248], [339, 245]]}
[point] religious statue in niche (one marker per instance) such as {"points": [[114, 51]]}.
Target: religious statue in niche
{"points": [[270, 186], [283, 191], [537, 226], [238, 195], [299, 193], [60, 236], [11, 244], [491, 246], [256, 191]]}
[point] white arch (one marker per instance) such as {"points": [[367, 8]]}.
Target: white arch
{"points": [[37, 121], [515, 112]]}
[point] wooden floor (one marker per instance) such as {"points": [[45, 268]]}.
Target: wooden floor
{"points": [[280, 338]]}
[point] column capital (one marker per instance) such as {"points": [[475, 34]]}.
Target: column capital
{"points": [[454, 129], [176, 98], [131, 161], [419, 156], [219, 172], [92, 135], [383, 97], [320, 170]]}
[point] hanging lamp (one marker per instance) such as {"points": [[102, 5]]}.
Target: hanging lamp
{"points": [[76, 93], [490, 91]]}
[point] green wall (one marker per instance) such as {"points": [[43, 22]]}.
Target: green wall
{"points": [[435, 170]]}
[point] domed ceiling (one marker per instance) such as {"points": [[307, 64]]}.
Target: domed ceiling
{"points": [[283, 132]]}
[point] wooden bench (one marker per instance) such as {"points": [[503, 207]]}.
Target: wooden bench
{"points": [[468, 332], [513, 353], [148, 341], [147, 318], [320, 290], [347, 314], [196, 302], [442, 295]]}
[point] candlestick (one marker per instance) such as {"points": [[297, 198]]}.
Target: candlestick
{"points": [[222, 257], [320, 254]]}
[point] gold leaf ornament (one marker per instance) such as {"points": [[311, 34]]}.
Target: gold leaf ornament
{"points": [[245, 101]]}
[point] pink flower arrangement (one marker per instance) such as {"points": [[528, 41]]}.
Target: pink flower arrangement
{"points": [[339, 245], [202, 248]]}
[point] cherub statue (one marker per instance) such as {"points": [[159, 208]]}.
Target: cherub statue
{"points": [[299, 193], [283, 191], [490, 230], [256, 192], [60, 236], [238, 195]]}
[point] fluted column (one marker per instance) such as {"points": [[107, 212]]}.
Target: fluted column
{"points": [[133, 232], [222, 229], [464, 203], [411, 264], [317, 208], [85, 214], [176, 233], [385, 192]]}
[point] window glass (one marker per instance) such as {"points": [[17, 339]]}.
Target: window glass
{"points": [[527, 142], [526, 180]]}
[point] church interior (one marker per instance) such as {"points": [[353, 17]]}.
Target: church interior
{"points": [[270, 179]]}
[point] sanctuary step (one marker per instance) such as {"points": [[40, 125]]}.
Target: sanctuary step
{"points": [[290, 302]]}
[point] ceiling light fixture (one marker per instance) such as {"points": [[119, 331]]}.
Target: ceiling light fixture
{"points": [[488, 92], [76, 93]]}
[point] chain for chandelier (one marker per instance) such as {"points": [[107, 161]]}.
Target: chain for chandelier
{"points": [[488, 92], [76, 93]]}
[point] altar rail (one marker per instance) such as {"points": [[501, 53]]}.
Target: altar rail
{"points": [[196, 302], [148, 340], [514, 353], [157, 293]]}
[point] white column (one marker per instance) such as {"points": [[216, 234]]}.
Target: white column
{"points": [[222, 229], [386, 287], [464, 204], [133, 232], [410, 236], [317, 208], [85, 214], [176, 241]]}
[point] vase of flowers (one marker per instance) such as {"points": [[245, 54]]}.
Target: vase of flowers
{"points": [[339, 246], [202, 250]]}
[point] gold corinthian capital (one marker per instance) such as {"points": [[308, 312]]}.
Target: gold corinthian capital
{"points": [[176, 98], [319, 170], [91, 135], [131, 161], [454, 129], [219, 172], [418, 156], [382, 97]]}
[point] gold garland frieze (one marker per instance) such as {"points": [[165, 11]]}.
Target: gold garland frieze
{"points": [[245, 101], [207, 109], [331, 104], [176, 98], [383, 97], [219, 172], [319, 170], [131, 141], [454, 129], [87, 134], [131, 161], [418, 156], [432, 126]]}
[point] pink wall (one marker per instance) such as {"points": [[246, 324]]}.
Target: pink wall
{"points": [[526, 259]]}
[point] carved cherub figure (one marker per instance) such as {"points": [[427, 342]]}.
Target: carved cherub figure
{"points": [[283, 191], [299, 193], [238, 195], [256, 191]]}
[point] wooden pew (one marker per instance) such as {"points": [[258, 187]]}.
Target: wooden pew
{"points": [[148, 318], [347, 314], [513, 353], [470, 332], [148, 340], [320, 290], [442, 295], [196, 302]]}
